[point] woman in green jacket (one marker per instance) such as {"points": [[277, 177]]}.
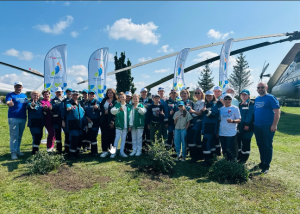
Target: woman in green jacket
{"points": [[138, 118], [123, 122]]}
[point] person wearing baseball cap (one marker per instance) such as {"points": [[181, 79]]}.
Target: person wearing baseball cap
{"points": [[16, 102], [85, 143], [128, 141], [246, 127], [63, 116], [161, 92], [146, 102], [56, 104], [230, 116], [234, 102]]}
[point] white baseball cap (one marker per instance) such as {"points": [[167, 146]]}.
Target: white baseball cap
{"points": [[230, 88], [128, 93], [209, 93], [144, 89], [75, 92], [18, 83], [227, 95], [58, 89], [217, 88]]}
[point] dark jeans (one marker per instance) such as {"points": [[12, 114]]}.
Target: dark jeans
{"points": [[107, 135], [156, 131], [228, 147], [264, 140]]}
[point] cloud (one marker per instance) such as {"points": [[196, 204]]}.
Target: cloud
{"points": [[162, 70], [24, 55], [77, 71], [143, 59], [208, 54], [111, 82], [74, 34], [29, 81], [165, 49], [67, 4], [217, 35], [145, 76], [57, 28], [86, 27], [143, 33], [73, 84]]}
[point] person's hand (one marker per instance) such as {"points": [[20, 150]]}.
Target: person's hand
{"points": [[69, 108], [111, 125], [10, 103], [106, 111], [45, 107], [222, 101], [171, 112], [32, 104], [89, 120], [63, 124], [191, 111], [50, 107], [121, 108], [229, 121], [246, 128], [176, 118], [204, 108], [149, 127], [129, 129], [145, 106], [273, 128], [95, 106], [167, 125], [161, 112]]}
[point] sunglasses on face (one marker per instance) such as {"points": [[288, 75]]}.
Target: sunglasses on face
{"points": [[197, 93], [262, 87], [227, 98]]}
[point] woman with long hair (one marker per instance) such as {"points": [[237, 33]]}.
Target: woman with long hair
{"points": [[47, 107], [107, 121]]}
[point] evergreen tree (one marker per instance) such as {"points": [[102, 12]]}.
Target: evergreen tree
{"points": [[239, 78], [205, 80], [124, 79]]}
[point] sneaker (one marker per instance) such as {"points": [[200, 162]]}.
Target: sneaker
{"points": [[113, 155], [20, 154], [104, 154], [177, 159], [265, 171], [14, 156], [123, 155], [132, 153], [183, 159], [138, 153]]}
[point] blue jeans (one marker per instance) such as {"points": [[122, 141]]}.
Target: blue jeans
{"points": [[227, 144], [16, 129], [264, 140], [179, 139]]}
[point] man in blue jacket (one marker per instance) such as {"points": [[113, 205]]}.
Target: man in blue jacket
{"points": [[266, 117], [16, 101], [161, 92]]}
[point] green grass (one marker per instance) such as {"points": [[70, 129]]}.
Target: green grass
{"points": [[120, 186]]}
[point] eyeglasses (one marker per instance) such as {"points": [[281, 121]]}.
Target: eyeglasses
{"points": [[197, 93], [227, 98], [262, 87]]}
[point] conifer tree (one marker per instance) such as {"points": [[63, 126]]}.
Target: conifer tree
{"points": [[240, 77], [206, 80], [124, 79]]}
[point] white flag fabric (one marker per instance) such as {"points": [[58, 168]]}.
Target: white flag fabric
{"points": [[55, 67], [224, 58], [97, 72], [178, 81]]}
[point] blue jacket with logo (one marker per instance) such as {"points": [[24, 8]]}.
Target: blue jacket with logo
{"points": [[75, 118], [190, 105], [166, 110], [35, 114], [172, 105], [56, 110], [92, 113], [247, 114], [210, 120]]}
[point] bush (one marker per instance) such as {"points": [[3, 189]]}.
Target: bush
{"points": [[160, 157], [43, 162], [228, 171], [2, 99]]}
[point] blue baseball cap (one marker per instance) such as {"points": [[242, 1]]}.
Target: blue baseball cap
{"points": [[180, 103], [69, 89], [245, 91], [91, 91], [85, 91], [161, 88]]}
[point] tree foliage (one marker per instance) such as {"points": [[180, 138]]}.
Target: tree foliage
{"points": [[205, 80], [240, 77], [124, 79]]}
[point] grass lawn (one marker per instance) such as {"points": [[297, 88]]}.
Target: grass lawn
{"points": [[94, 185]]}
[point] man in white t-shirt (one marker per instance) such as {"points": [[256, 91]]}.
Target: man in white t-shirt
{"points": [[229, 118]]}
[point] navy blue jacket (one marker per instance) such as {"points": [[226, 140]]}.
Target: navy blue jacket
{"points": [[35, 114], [92, 113], [75, 118], [56, 111], [210, 120], [172, 105], [247, 114]]}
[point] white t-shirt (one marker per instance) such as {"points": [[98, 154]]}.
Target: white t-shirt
{"points": [[106, 105], [198, 106], [228, 129]]}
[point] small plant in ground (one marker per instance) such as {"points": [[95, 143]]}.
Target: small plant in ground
{"points": [[43, 162], [160, 157], [228, 171]]}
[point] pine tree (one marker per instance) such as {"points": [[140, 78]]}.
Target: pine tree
{"points": [[205, 80], [124, 79], [239, 78]]}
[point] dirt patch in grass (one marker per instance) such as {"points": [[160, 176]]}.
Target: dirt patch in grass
{"points": [[149, 185], [259, 188], [69, 179]]}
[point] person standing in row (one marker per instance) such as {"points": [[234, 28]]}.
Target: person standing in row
{"points": [[234, 102], [63, 111], [266, 117], [16, 101], [172, 108], [123, 122], [85, 143], [229, 117], [107, 121], [246, 127], [92, 113], [128, 142], [161, 92], [138, 119], [182, 120], [35, 120], [56, 103], [76, 122], [47, 107], [146, 102], [155, 119]]}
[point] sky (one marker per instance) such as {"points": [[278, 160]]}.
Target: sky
{"points": [[144, 30]]}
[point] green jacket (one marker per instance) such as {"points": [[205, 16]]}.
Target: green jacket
{"points": [[119, 122], [139, 116]]}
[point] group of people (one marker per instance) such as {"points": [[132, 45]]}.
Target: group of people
{"points": [[213, 124]]}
